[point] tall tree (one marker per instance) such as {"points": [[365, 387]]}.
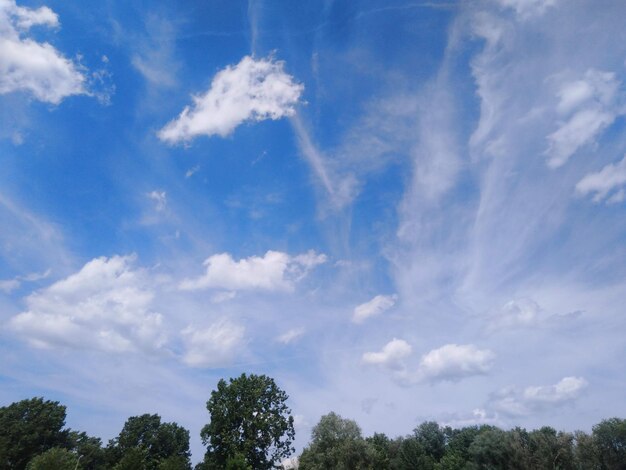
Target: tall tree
{"points": [[336, 443], [145, 443], [249, 419], [29, 428]]}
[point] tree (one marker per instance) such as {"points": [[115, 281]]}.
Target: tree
{"points": [[145, 443], [335, 443], [29, 428], [249, 419], [610, 438], [54, 459]]}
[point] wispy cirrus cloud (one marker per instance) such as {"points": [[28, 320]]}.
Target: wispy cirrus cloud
{"points": [[252, 90]]}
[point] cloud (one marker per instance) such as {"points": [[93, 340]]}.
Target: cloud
{"points": [[27, 65], [214, 346], [9, 285], [454, 362], [160, 198], [290, 336], [275, 271], [105, 306], [376, 306], [516, 313], [527, 9], [391, 356], [252, 90], [611, 177], [590, 104], [515, 402]]}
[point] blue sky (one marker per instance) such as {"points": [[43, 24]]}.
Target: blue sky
{"points": [[399, 210]]}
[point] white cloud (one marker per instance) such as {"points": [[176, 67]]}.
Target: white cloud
{"points": [[609, 178], [223, 296], [275, 271], [104, 306], [192, 171], [590, 105], [9, 285], [160, 198], [27, 65], [376, 306], [290, 336], [252, 90], [391, 356], [514, 402], [214, 346], [453, 362], [516, 313], [526, 9]]}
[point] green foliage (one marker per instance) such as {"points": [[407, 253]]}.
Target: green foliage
{"points": [[249, 417], [54, 459], [145, 443], [29, 428], [89, 450], [610, 441], [335, 443]]}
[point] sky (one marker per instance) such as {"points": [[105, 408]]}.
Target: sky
{"points": [[399, 210]]}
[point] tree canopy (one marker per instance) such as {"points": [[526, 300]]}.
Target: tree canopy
{"points": [[250, 424]]}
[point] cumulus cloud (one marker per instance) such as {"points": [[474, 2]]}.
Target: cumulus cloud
{"points": [[27, 65], [454, 362], [105, 306], [290, 336], [214, 346], [275, 271], [376, 306], [588, 105], [515, 402], [391, 356], [252, 90], [600, 184]]}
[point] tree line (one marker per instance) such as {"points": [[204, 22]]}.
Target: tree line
{"points": [[251, 428]]}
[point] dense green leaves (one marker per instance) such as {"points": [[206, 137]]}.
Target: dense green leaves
{"points": [[29, 428], [251, 428], [145, 444], [249, 419]]}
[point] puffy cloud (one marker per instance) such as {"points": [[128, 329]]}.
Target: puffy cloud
{"points": [[453, 362], [515, 402], [275, 271], [104, 306], [27, 65], [214, 346], [376, 306], [252, 90], [290, 336], [600, 184], [391, 356], [9, 285], [589, 105]]}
